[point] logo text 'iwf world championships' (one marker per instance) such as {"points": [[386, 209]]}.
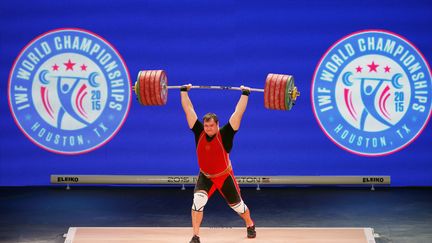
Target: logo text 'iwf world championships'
{"points": [[69, 91], [371, 93]]}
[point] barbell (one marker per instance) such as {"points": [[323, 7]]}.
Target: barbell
{"points": [[151, 89]]}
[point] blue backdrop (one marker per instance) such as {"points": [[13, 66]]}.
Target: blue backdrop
{"points": [[220, 42]]}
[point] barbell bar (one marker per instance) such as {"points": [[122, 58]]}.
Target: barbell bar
{"points": [[280, 93]]}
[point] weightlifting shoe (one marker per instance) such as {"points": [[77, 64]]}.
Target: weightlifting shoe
{"points": [[195, 239], [251, 233]]}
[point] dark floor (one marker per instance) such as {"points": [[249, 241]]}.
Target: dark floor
{"points": [[44, 214]]}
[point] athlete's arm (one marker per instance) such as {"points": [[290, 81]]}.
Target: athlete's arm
{"points": [[188, 108], [236, 117]]}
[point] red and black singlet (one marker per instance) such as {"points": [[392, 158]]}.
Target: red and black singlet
{"points": [[213, 160], [213, 152], [215, 166]]}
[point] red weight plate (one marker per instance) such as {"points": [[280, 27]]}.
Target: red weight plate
{"points": [[146, 87], [277, 91], [158, 89], [266, 91], [272, 92], [282, 103], [153, 94], [142, 88], [164, 88]]}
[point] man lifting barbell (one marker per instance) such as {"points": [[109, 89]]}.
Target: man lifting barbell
{"points": [[213, 146]]}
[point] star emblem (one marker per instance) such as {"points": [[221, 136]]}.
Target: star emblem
{"points": [[69, 65], [373, 67], [83, 67]]}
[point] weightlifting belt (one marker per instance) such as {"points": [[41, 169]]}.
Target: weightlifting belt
{"points": [[226, 171]]}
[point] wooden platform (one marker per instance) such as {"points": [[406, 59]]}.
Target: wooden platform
{"points": [[218, 235]]}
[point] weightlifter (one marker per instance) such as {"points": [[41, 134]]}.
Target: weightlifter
{"points": [[213, 146]]}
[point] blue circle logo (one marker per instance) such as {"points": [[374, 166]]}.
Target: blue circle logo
{"points": [[69, 91], [371, 93]]}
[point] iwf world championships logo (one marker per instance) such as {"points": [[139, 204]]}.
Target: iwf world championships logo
{"points": [[69, 91], [371, 93]]}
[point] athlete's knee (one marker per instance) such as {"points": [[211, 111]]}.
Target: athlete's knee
{"points": [[240, 207], [199, 201]]}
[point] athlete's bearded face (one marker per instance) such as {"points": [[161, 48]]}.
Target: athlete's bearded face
{"points": [[211, 127]]}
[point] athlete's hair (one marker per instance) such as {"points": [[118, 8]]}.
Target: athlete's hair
{"points": [[209, 116]]}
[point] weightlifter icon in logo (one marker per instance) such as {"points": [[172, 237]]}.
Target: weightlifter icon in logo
{"points": [[368, 94], [371, 93], [69, 91], [69, 104]]}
